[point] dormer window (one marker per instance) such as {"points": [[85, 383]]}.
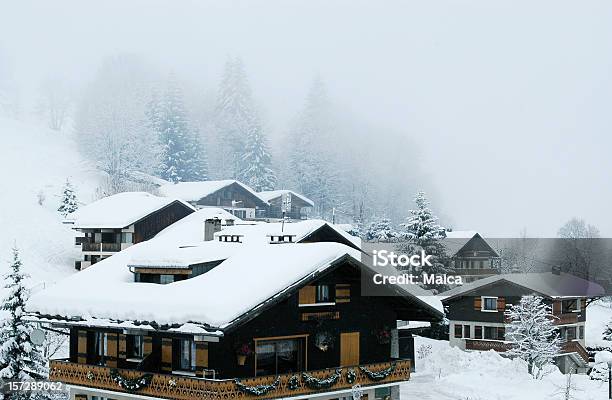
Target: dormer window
{"points": [[231, 238], [281, 238]]}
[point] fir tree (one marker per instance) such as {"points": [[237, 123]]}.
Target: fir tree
{"points": [[20, 359], [422, 232], [381, 231], [183, 158], [311, 159], [607, 333], [236, 119], [256, 163], [69, 202], [533, 334]]}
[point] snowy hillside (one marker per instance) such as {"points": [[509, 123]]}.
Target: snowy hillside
{"points": [[451, 374], [38, 160]]}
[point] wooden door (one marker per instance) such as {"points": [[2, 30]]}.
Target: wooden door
{"points": [[349, 349]]}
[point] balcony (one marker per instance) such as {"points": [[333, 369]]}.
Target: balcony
{"points": [[567, 318], [102, 247], [177, 387], [485, 345], [576, 347]]}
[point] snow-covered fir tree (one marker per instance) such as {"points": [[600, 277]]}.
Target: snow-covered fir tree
{"points": [[183, 158], [315, 172], [422, 232], [607, 333], [256, 162], [68, 203], [236, 118], [533, 334], [381, 230], [20, 359]]}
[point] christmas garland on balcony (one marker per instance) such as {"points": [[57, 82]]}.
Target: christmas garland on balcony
{"points": [[351, 376], [131, 385], [380, 375], [316, 383], [258, 390], [294, 382]]}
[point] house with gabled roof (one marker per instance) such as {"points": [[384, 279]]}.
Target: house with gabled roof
{"points": [[117, 222], [477, 320], [271, 320], [471, 256], [287, 204], [230, 195]]}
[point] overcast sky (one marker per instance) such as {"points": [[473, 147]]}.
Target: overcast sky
{"points": [[509, 101]]}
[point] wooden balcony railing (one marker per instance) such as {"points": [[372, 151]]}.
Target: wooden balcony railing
{"points": [[112, 247], [485, 345], [576, 347], [568, 318], [178, 387]]}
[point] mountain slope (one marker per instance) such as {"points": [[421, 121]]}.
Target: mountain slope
{"points": [[36, 160]]}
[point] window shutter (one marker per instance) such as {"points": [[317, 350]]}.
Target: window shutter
{"points": [[477, 303], [343, 293], [478, 332], [307, 295], [111, 357], [556, 307], [122, 354], [501, 304], [201, 357], [82, 347], [166, 355], [147, 345]]}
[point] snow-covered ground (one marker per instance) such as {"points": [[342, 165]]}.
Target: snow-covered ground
{"points": [[451, 374], [598, 315], [34, 160]]}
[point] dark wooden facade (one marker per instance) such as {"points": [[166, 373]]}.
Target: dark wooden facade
{"points": [[232, 195], [357, 325], [155, 222], [298, 205]]}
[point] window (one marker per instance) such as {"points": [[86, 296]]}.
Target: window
{"points": [[568, 306], [489, 303], [481, 264], [279, 356], [126, 237], [478, 332], [324, 294], [383, 393], [101, 343], [490, 332], [165, 279], [581, 332], [570, 333], [458, 331], [135, 346], [185, 360], [466, 331]]}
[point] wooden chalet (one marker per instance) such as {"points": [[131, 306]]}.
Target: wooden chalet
{"points": [[117, 222], [477, 319], [294, 205], [272, 321], [230, 195], [471, 257]]}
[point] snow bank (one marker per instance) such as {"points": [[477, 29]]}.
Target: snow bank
{"points": [[598, 315]]}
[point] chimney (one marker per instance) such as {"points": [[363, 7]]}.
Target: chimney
{"points": [[556, 270], [211, 226]]}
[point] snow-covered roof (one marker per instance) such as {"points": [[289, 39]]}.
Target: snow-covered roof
{"points": [[173, 256], [269, 195], [258, 273], [259, 233], [194, 191], [546, 283], [461, 234], [119, 210], [190, 229]]}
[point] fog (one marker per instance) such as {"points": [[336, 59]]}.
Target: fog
{"points": [[506, 106]]}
